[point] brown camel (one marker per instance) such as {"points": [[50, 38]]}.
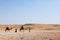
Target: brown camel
{"points": [[7, 29], [22, 28]]}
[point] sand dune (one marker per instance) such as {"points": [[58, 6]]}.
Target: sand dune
{"points": [[33, 26], [37, 32]]}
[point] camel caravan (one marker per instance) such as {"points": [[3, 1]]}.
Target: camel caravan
{"points": [[21, 29]]}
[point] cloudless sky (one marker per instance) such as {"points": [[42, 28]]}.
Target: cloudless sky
{"points": [[29, 11]]}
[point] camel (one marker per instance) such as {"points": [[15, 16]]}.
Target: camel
{"points": [[22, 28], [7, 29]]}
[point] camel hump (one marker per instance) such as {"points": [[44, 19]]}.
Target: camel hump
{"points": [[7, 28], [22, 27]]}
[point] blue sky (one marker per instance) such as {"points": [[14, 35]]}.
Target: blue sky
{"points": [[29, 11]]}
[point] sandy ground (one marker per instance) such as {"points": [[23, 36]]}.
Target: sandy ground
{"points": [[33, 35]]}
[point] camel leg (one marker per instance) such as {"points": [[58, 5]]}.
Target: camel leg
{"points": [[5, 30], [20, 29]]}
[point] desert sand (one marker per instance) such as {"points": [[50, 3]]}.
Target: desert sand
{"points": [[37, 32], [33, 35]]}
